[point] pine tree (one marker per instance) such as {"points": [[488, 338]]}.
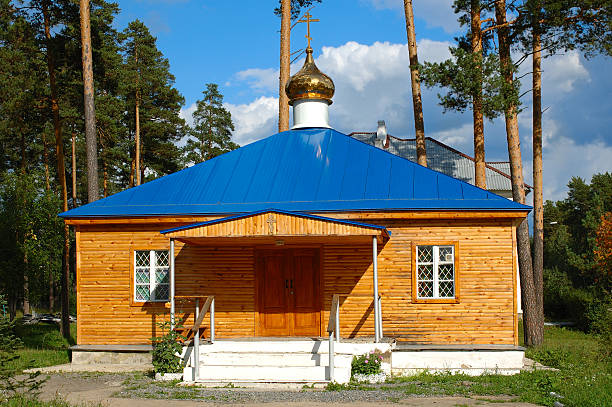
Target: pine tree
{"points": [[153, 105], [212, 128], [471, 78]]}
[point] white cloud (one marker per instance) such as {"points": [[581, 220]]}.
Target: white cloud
{"points": [[561, 163], [187, 113], [562, 72], [459, 138], [254, 120], [260, 79], [373, 83]]}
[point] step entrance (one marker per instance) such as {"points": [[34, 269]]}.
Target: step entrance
{"points": [[274, 361]]}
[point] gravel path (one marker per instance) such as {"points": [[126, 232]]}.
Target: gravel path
{"points": [[123, 390]]}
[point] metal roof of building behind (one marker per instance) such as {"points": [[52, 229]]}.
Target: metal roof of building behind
{"points": [[307, 170], [446, 159]]}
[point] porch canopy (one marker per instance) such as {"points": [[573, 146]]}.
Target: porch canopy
{"points": [[273, 226]]}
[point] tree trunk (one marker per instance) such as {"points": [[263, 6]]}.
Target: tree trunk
{"points": [[93, 192], [417, 104], [132, 167], [51, 292], [137, 129], [479, 149], [26, 285], [533, 333], [538, 201], [61, 170], [105, 185], [23, 152], [74, 174], [46, 161], [137, 142], [285, 40]]}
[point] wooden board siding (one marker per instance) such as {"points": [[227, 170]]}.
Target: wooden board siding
{"points": [[274, 224], [485, 313]]}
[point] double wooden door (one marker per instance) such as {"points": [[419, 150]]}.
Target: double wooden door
{"points": [[288, 292]]}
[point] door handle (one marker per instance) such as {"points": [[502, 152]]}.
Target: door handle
{"points": [[286, 283], [291, 283]]}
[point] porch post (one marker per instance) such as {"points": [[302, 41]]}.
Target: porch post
{"points": [[375, 303], [172, 283]]}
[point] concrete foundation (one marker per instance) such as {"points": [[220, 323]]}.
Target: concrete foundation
{"points": [[471, 361], [136, 355]]}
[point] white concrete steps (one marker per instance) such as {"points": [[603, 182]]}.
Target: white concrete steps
{"points": [[301, 361], [272, 374], [271, 359]]}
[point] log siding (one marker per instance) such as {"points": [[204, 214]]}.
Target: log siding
{"points": [[485, 312]]}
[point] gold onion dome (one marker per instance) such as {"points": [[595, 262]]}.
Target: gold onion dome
{"points": [[310, 83]]}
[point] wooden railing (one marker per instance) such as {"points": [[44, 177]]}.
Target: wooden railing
{"points": [[200, 313]]}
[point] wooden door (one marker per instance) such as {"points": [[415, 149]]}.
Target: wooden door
{"points": [[288, 290]]}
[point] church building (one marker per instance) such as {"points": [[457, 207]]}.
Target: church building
{"points": [[307, 242]]}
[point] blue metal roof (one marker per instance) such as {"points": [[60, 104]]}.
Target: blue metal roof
{"points": [[306, 170], [383, 229]]}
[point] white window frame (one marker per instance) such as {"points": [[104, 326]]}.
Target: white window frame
{"points": [[436, 273], [152, 276]]}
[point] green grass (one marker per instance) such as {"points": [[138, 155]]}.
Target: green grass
{"points": [[584, 377], [22, 401], [43, 345]]}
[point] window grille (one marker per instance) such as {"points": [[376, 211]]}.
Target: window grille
{"points": [[151, 275], [435, 268]]}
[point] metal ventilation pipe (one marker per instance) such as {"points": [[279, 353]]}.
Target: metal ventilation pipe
{"points": [[381, 133]]}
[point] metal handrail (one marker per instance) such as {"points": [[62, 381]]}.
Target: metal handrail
{"points": [[200, 313], [333, 326]]}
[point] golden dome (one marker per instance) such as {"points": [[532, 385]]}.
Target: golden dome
{"points": [[310, 83]]}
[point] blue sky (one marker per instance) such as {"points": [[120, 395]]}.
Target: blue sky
{"points": [[361, 45]]}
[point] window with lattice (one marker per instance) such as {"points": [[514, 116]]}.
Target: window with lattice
{"points": [[435, 269], [151, 275]]}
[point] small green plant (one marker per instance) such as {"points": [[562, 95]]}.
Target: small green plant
{"points": [[12, 385], [167, 349], [367, 364]]}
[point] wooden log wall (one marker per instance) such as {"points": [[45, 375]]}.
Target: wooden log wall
{"points": [[485, 313]]}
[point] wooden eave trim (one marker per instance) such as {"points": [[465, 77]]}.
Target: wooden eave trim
{"points": [[336, 215]]}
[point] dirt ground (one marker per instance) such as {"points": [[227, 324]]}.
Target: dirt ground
{"points": [[112, 390]]}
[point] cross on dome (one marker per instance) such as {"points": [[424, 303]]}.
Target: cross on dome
{"points": [[308, 20]]}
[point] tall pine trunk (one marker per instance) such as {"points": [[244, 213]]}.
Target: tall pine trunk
{"points": [[137, 141], [26, 283], [479, 149], [132, 167], [61, 170], [285, 40], [46, 161], [74, 174], [93, 192], [48, 188], [417, 104], [538, 199], [137, 126], [533, 335], [104, 167]]}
